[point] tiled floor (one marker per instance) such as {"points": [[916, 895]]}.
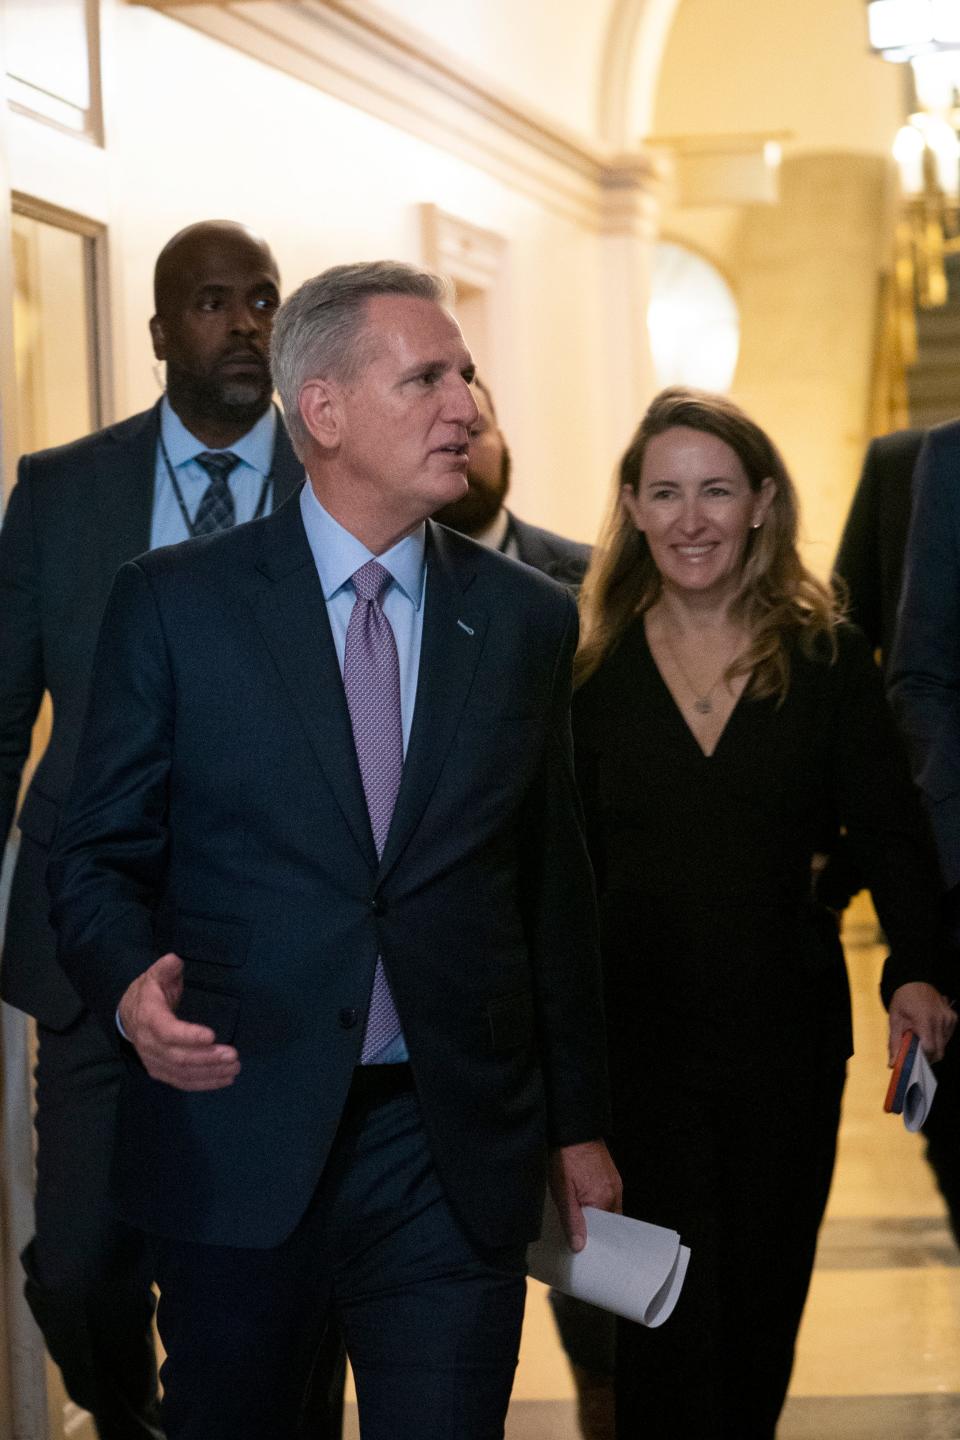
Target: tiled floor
{"points": [[879, 1352]]}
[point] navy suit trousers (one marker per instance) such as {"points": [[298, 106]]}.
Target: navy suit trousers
{"points": [[431, 1324]]}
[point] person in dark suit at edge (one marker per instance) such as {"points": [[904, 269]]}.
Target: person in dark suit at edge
{"points": [[923, 675], [869, 568], [588, 1335], [482, 514], [327, 877], [211, 451], [870, 563], [870, 558]]}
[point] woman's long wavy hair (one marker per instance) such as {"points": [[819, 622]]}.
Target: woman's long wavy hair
{"points": [[777, 596]]}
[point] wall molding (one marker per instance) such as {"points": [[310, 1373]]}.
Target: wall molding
{"points": [[373, 61]]}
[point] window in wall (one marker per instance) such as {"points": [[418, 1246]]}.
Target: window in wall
{"points": [[55, 351], [54, 333], [693, 321], [52, 61]]}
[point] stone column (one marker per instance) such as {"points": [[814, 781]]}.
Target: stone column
{"points": [[630, 210]]}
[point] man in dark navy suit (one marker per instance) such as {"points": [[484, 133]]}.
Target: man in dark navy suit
{"points": [[923, 671], [322, 867], [869, 567], [870, 558], [212, 451]]}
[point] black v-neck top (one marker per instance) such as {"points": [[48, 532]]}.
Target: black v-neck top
{"points": [[711, 938]]}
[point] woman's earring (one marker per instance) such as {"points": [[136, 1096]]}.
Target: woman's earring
{"points": [[756, 525]]}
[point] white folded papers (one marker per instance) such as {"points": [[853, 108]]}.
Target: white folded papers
{"points": [[918, 1096], [634, 1269]]}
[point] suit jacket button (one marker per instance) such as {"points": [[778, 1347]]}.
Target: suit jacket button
{"points": [[378, 905], [349, 1018]]}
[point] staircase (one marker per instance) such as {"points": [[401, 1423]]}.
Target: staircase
{"points": [[933, 382]]}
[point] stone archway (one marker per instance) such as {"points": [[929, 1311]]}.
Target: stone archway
{"points": [[637, 32]]}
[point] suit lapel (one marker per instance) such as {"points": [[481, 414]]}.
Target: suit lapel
{"points": [[291, 614], [123, 488], [125, 476], [286, 471], [292, 617], [453, 636]]}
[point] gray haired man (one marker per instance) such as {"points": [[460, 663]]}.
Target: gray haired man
{"points": [[306, 860]]}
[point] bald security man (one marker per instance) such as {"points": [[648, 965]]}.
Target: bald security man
{"points": [[213, 451]]}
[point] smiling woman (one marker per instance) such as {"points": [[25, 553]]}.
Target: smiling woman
{"points": [[701, 540], [726, 725], [696, 507]]}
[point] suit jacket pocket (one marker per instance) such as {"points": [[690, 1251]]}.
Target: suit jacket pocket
{"points": [[213, 939], [822, 947], [39, 818], [511, 1021], [200, 1006]]}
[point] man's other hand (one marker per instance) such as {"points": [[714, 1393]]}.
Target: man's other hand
{"points": [[180, 1054], [583, 1175]]}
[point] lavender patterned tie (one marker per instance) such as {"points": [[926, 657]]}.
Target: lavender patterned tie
{"points": [[216, 510], [371, 678]]}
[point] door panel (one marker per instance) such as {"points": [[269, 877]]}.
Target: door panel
{"points": [[55, 342]]}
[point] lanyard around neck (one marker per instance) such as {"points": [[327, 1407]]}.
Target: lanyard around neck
{"points": [[191, 529], [509, 536]]}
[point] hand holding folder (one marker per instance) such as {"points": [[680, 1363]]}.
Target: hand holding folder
{"points": [[912, 1083]]}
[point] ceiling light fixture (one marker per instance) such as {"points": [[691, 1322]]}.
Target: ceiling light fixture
{"points": [[902, 30]]}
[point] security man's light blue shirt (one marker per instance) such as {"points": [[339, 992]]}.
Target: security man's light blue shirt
{"points": [[254, 450]]}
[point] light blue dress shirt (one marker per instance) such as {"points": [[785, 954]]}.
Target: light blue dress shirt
{"points": [[337, 555], [255, 450]]}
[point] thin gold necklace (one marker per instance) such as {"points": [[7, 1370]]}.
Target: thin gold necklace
{"points": [[702, 702]]}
